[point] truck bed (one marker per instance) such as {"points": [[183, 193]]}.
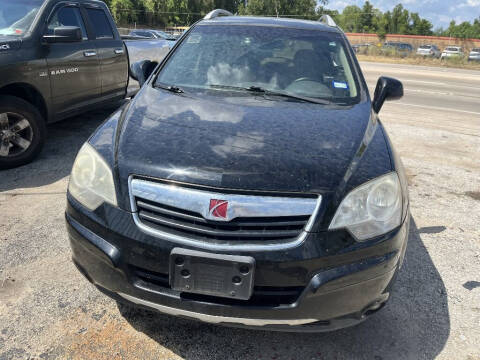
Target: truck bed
{"points": [[145, 49]]}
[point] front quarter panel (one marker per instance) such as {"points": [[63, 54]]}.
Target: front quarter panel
{"points": [[105, 138], [26, 65], [372, 160]]}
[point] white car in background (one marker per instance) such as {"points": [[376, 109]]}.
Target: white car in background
{"points": [[429, 50], [474, 55], [452, 51]]}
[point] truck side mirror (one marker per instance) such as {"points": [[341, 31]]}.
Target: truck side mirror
{"points": [[141, 70], [64, 34], [387, 89]]}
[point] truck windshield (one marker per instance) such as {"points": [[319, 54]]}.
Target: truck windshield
{"points": [[16, 16], [307, 63]]}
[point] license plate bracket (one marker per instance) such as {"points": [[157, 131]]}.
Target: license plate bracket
{"points": [[228, 276]]}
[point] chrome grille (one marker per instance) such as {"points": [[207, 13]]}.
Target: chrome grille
{"points": [[170, 218], [169, 210]]}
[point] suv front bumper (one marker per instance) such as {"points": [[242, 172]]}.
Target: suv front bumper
{"points": [[341, 291]]}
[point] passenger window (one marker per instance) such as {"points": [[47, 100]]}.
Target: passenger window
{"points": [[67, 16], [100, 24]]}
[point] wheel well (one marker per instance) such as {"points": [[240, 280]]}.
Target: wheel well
{"points": [[27, 93]]}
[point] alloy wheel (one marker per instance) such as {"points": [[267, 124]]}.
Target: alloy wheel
{"points": [[16, 134]]}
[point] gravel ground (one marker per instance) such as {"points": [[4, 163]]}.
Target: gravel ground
{"points": [[49, 311]]}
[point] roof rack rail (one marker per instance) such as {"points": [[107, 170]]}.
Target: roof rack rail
{"points": [[216, 13], [328, 20]]}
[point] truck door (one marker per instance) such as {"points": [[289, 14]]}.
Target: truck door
{"points": [[111, 53], [73, 67]]}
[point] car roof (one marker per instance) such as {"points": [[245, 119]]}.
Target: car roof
{"points": [[270, 22]]}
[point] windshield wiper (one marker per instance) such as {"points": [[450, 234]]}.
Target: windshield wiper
{"points": [[258, 89], [219, 86], [289, 95], [172, 88]]}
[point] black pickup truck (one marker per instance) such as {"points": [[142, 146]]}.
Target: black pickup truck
{"points": [[57, 58]]}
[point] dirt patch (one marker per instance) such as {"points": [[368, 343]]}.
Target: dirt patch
{"points": [[112, 341], [105, 337], [11, 291]]}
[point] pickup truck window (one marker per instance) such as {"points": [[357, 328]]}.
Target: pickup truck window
{"points": [[100, 24], [67, 16], [16, 16]]}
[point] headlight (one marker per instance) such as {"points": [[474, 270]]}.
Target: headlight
{"points": [[372, 209], [91, 181]]}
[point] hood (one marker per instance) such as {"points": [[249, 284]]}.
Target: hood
{"points": [[8, 43], [246, 142]]}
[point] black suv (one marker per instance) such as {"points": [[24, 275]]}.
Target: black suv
{"points": [[249, 183]]}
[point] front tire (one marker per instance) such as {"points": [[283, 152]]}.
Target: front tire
{"points": [[22, 132]]}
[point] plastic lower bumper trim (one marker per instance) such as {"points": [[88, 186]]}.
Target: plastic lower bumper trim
{"points": [[214, 319]]}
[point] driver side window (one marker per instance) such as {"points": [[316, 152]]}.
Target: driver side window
{"points": [[67, 16]]}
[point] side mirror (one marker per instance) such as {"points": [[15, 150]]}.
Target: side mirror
{"points": [[141, 70], [64, 34], [387, 89]]}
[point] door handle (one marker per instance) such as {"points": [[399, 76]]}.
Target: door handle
{"points": [[118, 51], [89, 53]]}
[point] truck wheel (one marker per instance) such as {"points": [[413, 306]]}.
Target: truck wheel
{"points": [[22, 132]]}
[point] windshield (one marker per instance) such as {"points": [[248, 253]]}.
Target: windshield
{"points": [[426, 47], [16, 16], [452, 49], [303, 63]]}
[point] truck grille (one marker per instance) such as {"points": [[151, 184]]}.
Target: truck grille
{"points": [[184, 211]]}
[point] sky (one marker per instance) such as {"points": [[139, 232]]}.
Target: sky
{"points": [[439, 12]]}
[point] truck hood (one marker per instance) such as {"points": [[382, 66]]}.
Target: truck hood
{"points": [[239, 142]]}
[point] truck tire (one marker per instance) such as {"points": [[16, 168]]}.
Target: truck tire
{"points": [[22, 132]]}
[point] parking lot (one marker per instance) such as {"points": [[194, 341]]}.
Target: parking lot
{"points": [[48, 310]]}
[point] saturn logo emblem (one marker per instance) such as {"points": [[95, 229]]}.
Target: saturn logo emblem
{"points": [[218, 209]]}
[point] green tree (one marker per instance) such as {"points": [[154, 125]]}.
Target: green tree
{"points": [[400, 20], [383, 25], [279, 7], [419, 26], [350, 19], [367, 18], [160, 13], [123, 11]]}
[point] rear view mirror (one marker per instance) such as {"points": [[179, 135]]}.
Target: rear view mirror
{"points": [[64, 34], [141, 70], [387, 89]]}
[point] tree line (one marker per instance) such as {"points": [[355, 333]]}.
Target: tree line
{"points": [[367, 19]]}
